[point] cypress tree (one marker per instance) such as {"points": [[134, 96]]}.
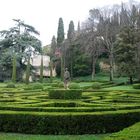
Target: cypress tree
{"points": [[52, 55], [70, 37], [70, 34], [60, 39], [60, 32]]}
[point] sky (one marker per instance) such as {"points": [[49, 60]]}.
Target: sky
{"points": [[44, 14]]}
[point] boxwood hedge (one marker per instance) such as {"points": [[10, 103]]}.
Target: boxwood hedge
{"points": [[65, 94], [66, 123]]}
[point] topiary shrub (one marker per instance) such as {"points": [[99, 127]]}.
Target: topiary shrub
{"points": [[96, 85], [74, 86], [37, 86], [54, 84], [60, 85], [65, 94], [10, 85], [136, 86], [34, 86]]}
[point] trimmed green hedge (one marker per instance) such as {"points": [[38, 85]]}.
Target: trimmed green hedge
{"points": [[34, 86], [136, 86], [67, 123], [96, 85], [67, 107], [10, 85], [74, 86], [65, 94]]}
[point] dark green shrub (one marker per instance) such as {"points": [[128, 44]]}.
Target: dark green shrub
{"points": [[54, 84], [34, 86], [65, 104], [65, 94], [136, 86], [37, 86], [10, 85], [28, 88], [96, 85], [74, 86], [60, 85], [67, 123]]}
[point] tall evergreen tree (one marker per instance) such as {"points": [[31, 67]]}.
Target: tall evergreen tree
{"points": [[70, 37], [60, 32], [18, 38], [53, 46], [125, 53], [52, 56], [60, 39], [71, 31]]}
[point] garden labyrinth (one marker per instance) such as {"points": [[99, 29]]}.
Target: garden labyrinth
{"points": [[97, 111]]}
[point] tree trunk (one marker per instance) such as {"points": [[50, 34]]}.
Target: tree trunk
{"points": [[111, 58], [62, 68], [28, 71], [71, 69], [131, 79], [138, 62], [93, 67], [14, 69], [51, 71]]}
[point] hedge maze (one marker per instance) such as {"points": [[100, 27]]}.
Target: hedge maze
{"points": [[84, 111]]}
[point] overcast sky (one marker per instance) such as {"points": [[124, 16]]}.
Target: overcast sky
{"points": [[44, 14]]}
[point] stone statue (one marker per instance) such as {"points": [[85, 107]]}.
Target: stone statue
{"points": [[66, 78]]}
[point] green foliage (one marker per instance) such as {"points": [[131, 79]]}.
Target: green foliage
{"points": [[7, 136], [10, 85], [34, 86], [37, 86], [136, 86], [65, 94], [53, 46], [81, 62], [60, 32], [71, 31], [27, 71], [97, 68], [96, 111], [74, 86], [60, 84], [19, 39], [14, 70], [96, 85], [130, 133], [125, 52], [76, 123], [57, 84]]}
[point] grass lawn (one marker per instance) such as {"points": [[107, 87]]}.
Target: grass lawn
{"points": [[127, 87], [10, 136], [130, 133]]}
